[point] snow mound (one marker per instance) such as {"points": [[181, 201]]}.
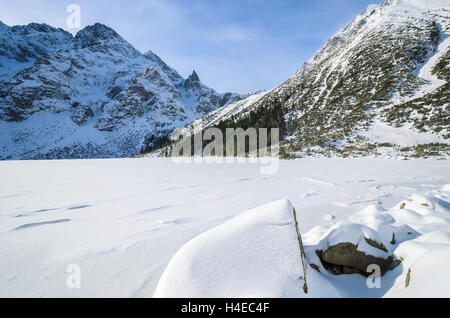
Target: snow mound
{"points": [[416, 232], [255, 254], [358, 235], [258, 254]]}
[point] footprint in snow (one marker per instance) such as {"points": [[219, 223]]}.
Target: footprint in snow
{"points": [[310, 194], [360, 181], [176, 221], [318, 181], [329, 218], [159, 208]]}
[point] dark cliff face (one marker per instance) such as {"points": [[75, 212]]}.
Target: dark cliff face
{"points": [[96, 34]]}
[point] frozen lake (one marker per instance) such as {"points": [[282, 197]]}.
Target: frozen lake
{"points": [[122, 220]]}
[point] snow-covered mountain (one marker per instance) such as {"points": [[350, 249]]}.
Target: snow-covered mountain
{"points": [[92, 95], [378, 87]]}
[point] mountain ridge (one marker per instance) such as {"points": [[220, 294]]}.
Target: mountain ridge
{"points": [[378, 87], [89, 95]]}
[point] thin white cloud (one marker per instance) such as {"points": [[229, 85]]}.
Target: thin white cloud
{"points": [[235, 33]]}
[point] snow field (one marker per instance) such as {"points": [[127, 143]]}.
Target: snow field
{"points": [[122, 221]]}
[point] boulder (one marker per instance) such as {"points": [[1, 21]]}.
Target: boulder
{"points": [[350, 248], [344, 258]]}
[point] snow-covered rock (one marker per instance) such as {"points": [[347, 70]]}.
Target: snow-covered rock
{"points": [[256, 254], [352, 248]]}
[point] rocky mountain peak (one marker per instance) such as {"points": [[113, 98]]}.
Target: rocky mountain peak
{"points": [[387, 3], [194, 77], [96, 34], [151, 55], [38, 27], [193, 81], [25, 43], [173, 75]]}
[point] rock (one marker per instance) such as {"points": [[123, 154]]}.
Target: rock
{"points": [[349, 270], [314, 266], [408, 278], [350, 247], [393, 239], [397, 262], [376, 244], [344, 258], [81, 114]]}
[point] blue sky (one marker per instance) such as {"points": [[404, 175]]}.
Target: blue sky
{"points": [[234, 45]]}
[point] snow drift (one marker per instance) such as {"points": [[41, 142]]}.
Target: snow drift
{"points": [[257, 254]]}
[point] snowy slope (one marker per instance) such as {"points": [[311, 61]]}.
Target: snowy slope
{"points": [[226, 112], [92, 95], [123, 220]]}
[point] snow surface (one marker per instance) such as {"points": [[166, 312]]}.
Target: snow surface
{"points": [[257, 254], [405, 136], [123, 220]]}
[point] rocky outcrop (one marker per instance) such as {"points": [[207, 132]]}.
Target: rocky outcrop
{"points": [[207, 101], [193, 81], [344, 258], [350, 248], [81, 114]]}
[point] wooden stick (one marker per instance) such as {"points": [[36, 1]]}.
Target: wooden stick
{"points": [[302, 252]]}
